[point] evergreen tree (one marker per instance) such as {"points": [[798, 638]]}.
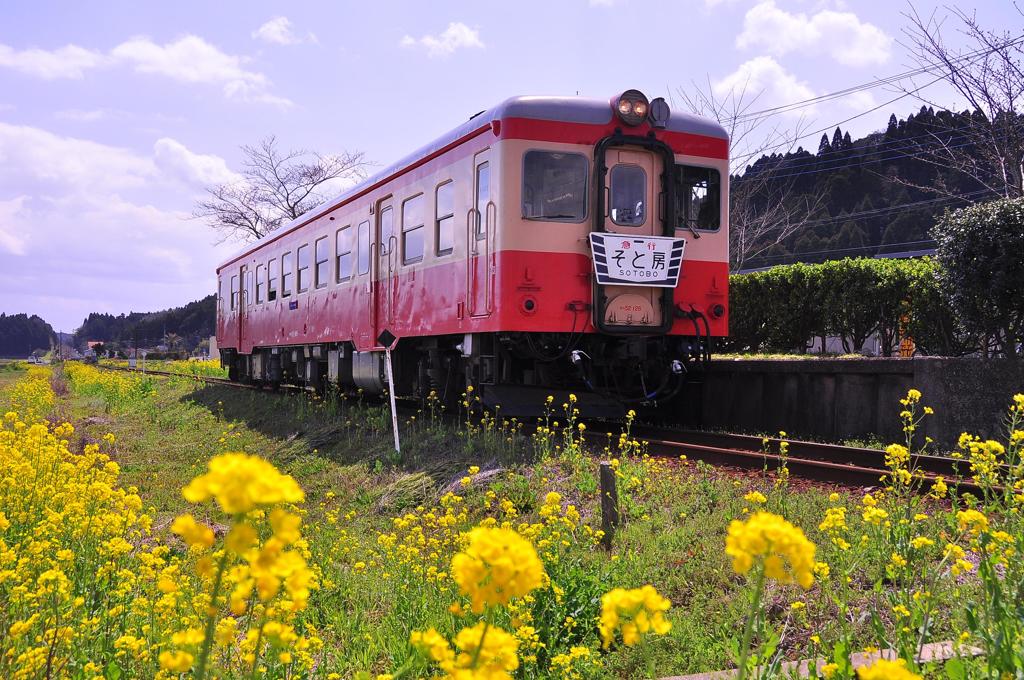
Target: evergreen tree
{"points": [[823, 145], [837, 140]]}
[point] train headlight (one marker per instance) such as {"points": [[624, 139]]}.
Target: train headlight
{"points": [[632, 107]]}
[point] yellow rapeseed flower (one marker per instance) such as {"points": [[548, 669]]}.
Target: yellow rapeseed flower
{"points": [[497, 565], [635, 612], [972, 522], [883, 669], [195, 534], [786, 553], [241, 483]]}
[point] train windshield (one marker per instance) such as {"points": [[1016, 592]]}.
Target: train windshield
{"points": [[698, 198], [628, 195], [554, 186]]}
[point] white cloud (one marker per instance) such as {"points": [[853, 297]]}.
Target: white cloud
{"points": [[766, 79], [842, 35], [193, 60], [176, 160], [70, 61], [601, 3], [88, 211], [279, 32], [12, 239], [458, 35], [189, 60], [32, 154], [84, 115]]}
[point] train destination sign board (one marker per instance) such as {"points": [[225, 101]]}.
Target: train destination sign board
{"points": [[626, 260]]}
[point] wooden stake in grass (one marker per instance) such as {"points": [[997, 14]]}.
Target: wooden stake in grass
{"points": [[609, 504]]}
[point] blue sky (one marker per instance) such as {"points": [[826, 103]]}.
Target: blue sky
{"points": [[115, 115]]}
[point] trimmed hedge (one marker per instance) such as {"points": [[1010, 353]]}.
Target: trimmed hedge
{"points": [[783, 309]]}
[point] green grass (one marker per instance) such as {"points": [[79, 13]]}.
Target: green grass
{"points": [[676, 515]]}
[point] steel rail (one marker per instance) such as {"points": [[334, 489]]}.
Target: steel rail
{"points": [[844, 465]]}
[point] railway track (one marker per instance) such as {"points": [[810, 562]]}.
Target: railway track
{"points": [[211, 380], [844, 465]]}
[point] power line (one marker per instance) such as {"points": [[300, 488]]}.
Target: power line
{"points": [[872, 84], [851, 249], [837, 165], [876, 212], [979, 54]]}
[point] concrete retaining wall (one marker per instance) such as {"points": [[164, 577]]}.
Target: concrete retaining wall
{"points": [[836, 399]]}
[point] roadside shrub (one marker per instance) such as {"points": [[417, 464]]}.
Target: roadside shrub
{"points": [[981, 250], [781, 309]]}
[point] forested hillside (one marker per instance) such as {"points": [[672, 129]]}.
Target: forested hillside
{"points": [[21, 334], [192, 323], [880, 193]]}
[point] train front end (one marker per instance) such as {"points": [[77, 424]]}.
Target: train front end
{"points": [[622, 277]]}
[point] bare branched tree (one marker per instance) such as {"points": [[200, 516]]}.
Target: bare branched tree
{"points": [[764, 208], [987, 145], [275, 187]]}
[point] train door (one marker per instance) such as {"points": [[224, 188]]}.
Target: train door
{"points": [[241, 303], [480, 238], [632, 210], [386, 265]]}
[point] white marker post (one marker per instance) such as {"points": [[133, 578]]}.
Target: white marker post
{"points": [[391, 393], [388, 339]]}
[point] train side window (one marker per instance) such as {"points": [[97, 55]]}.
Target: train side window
{"points": [[272, 280], [303, 253], [363, 248], [260, 284], [323, 261], [698, 198], [287, 274], [444, 211], [343, 248], [554, 186], [412, 230], [234, 292], [629, 195], [483, 196]]}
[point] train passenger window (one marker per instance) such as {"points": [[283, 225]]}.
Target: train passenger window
{"points": [[483, 196], [363, 248], [272, 280], [234, 291], [628, 195], [412, 230], [444, 211], [303, 268], [260, 284], [287, 274], [554, 186], [698, 197], [343, 247], [323, 259]]}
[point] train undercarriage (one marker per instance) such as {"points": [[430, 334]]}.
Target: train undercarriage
{"points": [[513, 371]]}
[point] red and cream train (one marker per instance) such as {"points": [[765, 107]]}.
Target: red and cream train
{"points": [[547, 243]]}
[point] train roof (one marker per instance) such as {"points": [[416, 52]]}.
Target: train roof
{"points": [[559, 109]]}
